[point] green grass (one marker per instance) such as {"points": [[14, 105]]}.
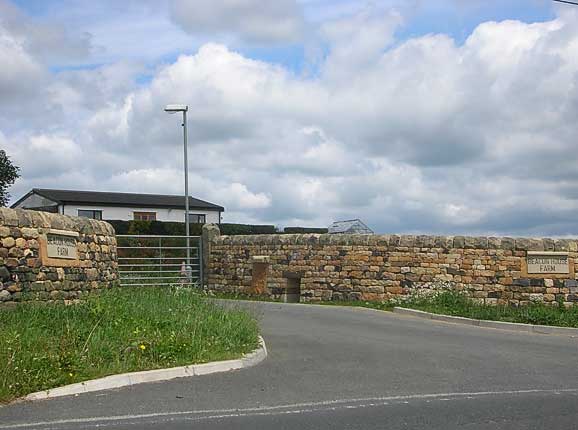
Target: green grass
{"points": [[383, 306], [457, 304], [239, 296], [122, 330]]}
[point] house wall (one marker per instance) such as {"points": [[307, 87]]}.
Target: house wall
{"points": [[379, 267], [127, 214]]}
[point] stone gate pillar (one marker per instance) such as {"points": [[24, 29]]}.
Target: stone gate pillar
{"points": [[209, 233]]}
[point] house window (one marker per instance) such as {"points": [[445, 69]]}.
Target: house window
{"points": [[196, 218], [145, 216], [90, 214]]}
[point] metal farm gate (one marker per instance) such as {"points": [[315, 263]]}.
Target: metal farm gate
{"points": [[159, 260]]}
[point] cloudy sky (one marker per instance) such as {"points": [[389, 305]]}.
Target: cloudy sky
{"points": [[431, 116]]}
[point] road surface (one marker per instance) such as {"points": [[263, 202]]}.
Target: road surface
{"points": [[332, 367]]}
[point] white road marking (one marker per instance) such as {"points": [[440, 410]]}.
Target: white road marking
{"points": [[296, 408]]}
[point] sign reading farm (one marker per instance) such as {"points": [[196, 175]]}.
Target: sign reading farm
{"points": [[58, 248], [61, 246], [547, 262]]}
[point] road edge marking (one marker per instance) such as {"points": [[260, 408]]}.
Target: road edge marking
{"points": [[257, 410]]}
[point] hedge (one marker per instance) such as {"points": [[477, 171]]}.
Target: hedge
{"points": [[162, 228], [303, 230]]}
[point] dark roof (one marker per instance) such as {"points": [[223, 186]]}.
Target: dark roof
{"points": [[120, 199]]}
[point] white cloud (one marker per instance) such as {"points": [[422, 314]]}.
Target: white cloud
{"points": [[240, 198], [422, 135], [269, 22], [234, 196], [45, 41], [355, 42], [19, 72]]}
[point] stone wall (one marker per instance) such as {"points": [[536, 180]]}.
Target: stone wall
{"points": [[29, 272], [379, 267]]}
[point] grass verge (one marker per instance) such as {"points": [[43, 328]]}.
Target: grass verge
{"points": [[122, 330], [457, 304], [383, 306]]}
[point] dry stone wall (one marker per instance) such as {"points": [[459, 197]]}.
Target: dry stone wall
{"points": [[52, 257], [492, 270]]}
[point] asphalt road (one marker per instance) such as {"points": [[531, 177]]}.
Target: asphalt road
{"points": [[331, 368]]}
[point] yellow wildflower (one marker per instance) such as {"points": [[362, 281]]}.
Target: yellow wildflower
{"points": [[142, 347]]}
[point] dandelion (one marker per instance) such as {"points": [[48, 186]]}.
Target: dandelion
{"points": [[142, 347]]}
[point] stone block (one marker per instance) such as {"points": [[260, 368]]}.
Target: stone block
{"points": [[459, 242], [5, 296], [11, 263], [535, 245], [508, 243], [4, 231], [8, 242], [10, 217], [15, 252], [536, 297], [407, 241], [561, 245], [494, 242], [522, 282], [5, 274], [29, 233]]}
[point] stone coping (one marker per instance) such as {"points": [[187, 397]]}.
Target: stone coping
{"points": [[501, 325], [23, 218], [401, 241], [127, 379]]}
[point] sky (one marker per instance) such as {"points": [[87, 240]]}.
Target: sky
{"points": [[416, 116]]}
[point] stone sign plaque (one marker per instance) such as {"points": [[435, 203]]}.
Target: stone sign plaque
{"points": [[60, 245], [58, 248], [539, 262]]}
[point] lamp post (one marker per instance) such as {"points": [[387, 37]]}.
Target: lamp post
{"points": [[174, 109]]}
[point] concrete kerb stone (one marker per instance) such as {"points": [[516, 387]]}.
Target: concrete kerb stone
{"points": [[503, 325], [413, 313], [500, 325], [127, 379]]}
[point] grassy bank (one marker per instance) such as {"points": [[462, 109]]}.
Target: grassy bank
{"points": [[456, 304], [44, 346]]}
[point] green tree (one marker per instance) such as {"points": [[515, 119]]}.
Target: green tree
{"points": [[8, 174]]}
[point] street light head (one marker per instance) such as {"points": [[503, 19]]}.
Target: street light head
{"points": [[176, 108]]}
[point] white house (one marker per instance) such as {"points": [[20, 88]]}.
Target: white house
{"points": [[120, 206]]}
